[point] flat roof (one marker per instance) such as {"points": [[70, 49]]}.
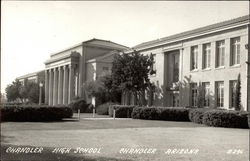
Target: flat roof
{"points": [[195, 31], [29, 75], [88, 41]]}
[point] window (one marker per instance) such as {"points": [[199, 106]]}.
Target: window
{"points": [[194, 92], [176, 100], [176, 67], [220, 94], [194, 57], [206, 55], [232, 89], [154, 64], [235, 51], [220, 53], [106, 69], [206, 88]]}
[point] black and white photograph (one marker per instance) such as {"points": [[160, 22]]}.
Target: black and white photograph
{"points": [[125, 81]]}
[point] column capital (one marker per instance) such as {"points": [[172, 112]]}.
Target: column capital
{"points": [[64, 67], [60, 67]]}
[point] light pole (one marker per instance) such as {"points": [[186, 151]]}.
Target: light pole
{"points": [[40, 92]]}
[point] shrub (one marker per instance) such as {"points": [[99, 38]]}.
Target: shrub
{"points": [[249, 120], [82, 105], [225, 118], [174, 114], [161, 113], [12, 103], [148, 113], [196, 115], [103, 109], [137, 112], [35, 113], [121, 111]]}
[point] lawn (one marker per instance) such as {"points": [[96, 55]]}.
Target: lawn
{"points": [[110, 136]]}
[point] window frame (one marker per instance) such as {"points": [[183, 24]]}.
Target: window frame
{"points": [[105, 69], [176, 74], [220, 94], [232, 91], [194, 57], [206, 94], [206, 56], [153, 67], [194, 94], [176, 99], [220, 54], [235, 54]]}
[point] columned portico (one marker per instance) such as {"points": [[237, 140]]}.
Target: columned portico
{"points": [[60, 84], [67, 71]]}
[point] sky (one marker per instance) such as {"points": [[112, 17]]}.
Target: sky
{"points": [[32, 30]]}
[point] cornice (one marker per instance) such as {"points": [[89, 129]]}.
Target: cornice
{"points": [[189, 35]]}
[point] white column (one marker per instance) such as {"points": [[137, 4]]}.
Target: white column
{"points": [[76, 82], [60, 85], [65, 85], [55, 92], [46, 86], [50, 86], [71, 81]]}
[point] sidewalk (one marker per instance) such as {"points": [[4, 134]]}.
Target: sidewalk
{"points": [[89, 116]]}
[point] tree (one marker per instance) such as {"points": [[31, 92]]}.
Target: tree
{"points": [[32, 92], [237, 96], [103, 90], [29, 91], [24, 91], [13, 91], [113, 93], [130, 73]]}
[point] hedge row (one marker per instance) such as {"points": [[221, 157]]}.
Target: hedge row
{"points": [[220, 118], [209, 117], [249, 120], [196, 115], [103, 109], [161, 113], [225, 118], [35, 113], [121, 111]]}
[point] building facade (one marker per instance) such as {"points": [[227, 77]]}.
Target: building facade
{"points": [[207, 59], [37, 77], [68, 71]]}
